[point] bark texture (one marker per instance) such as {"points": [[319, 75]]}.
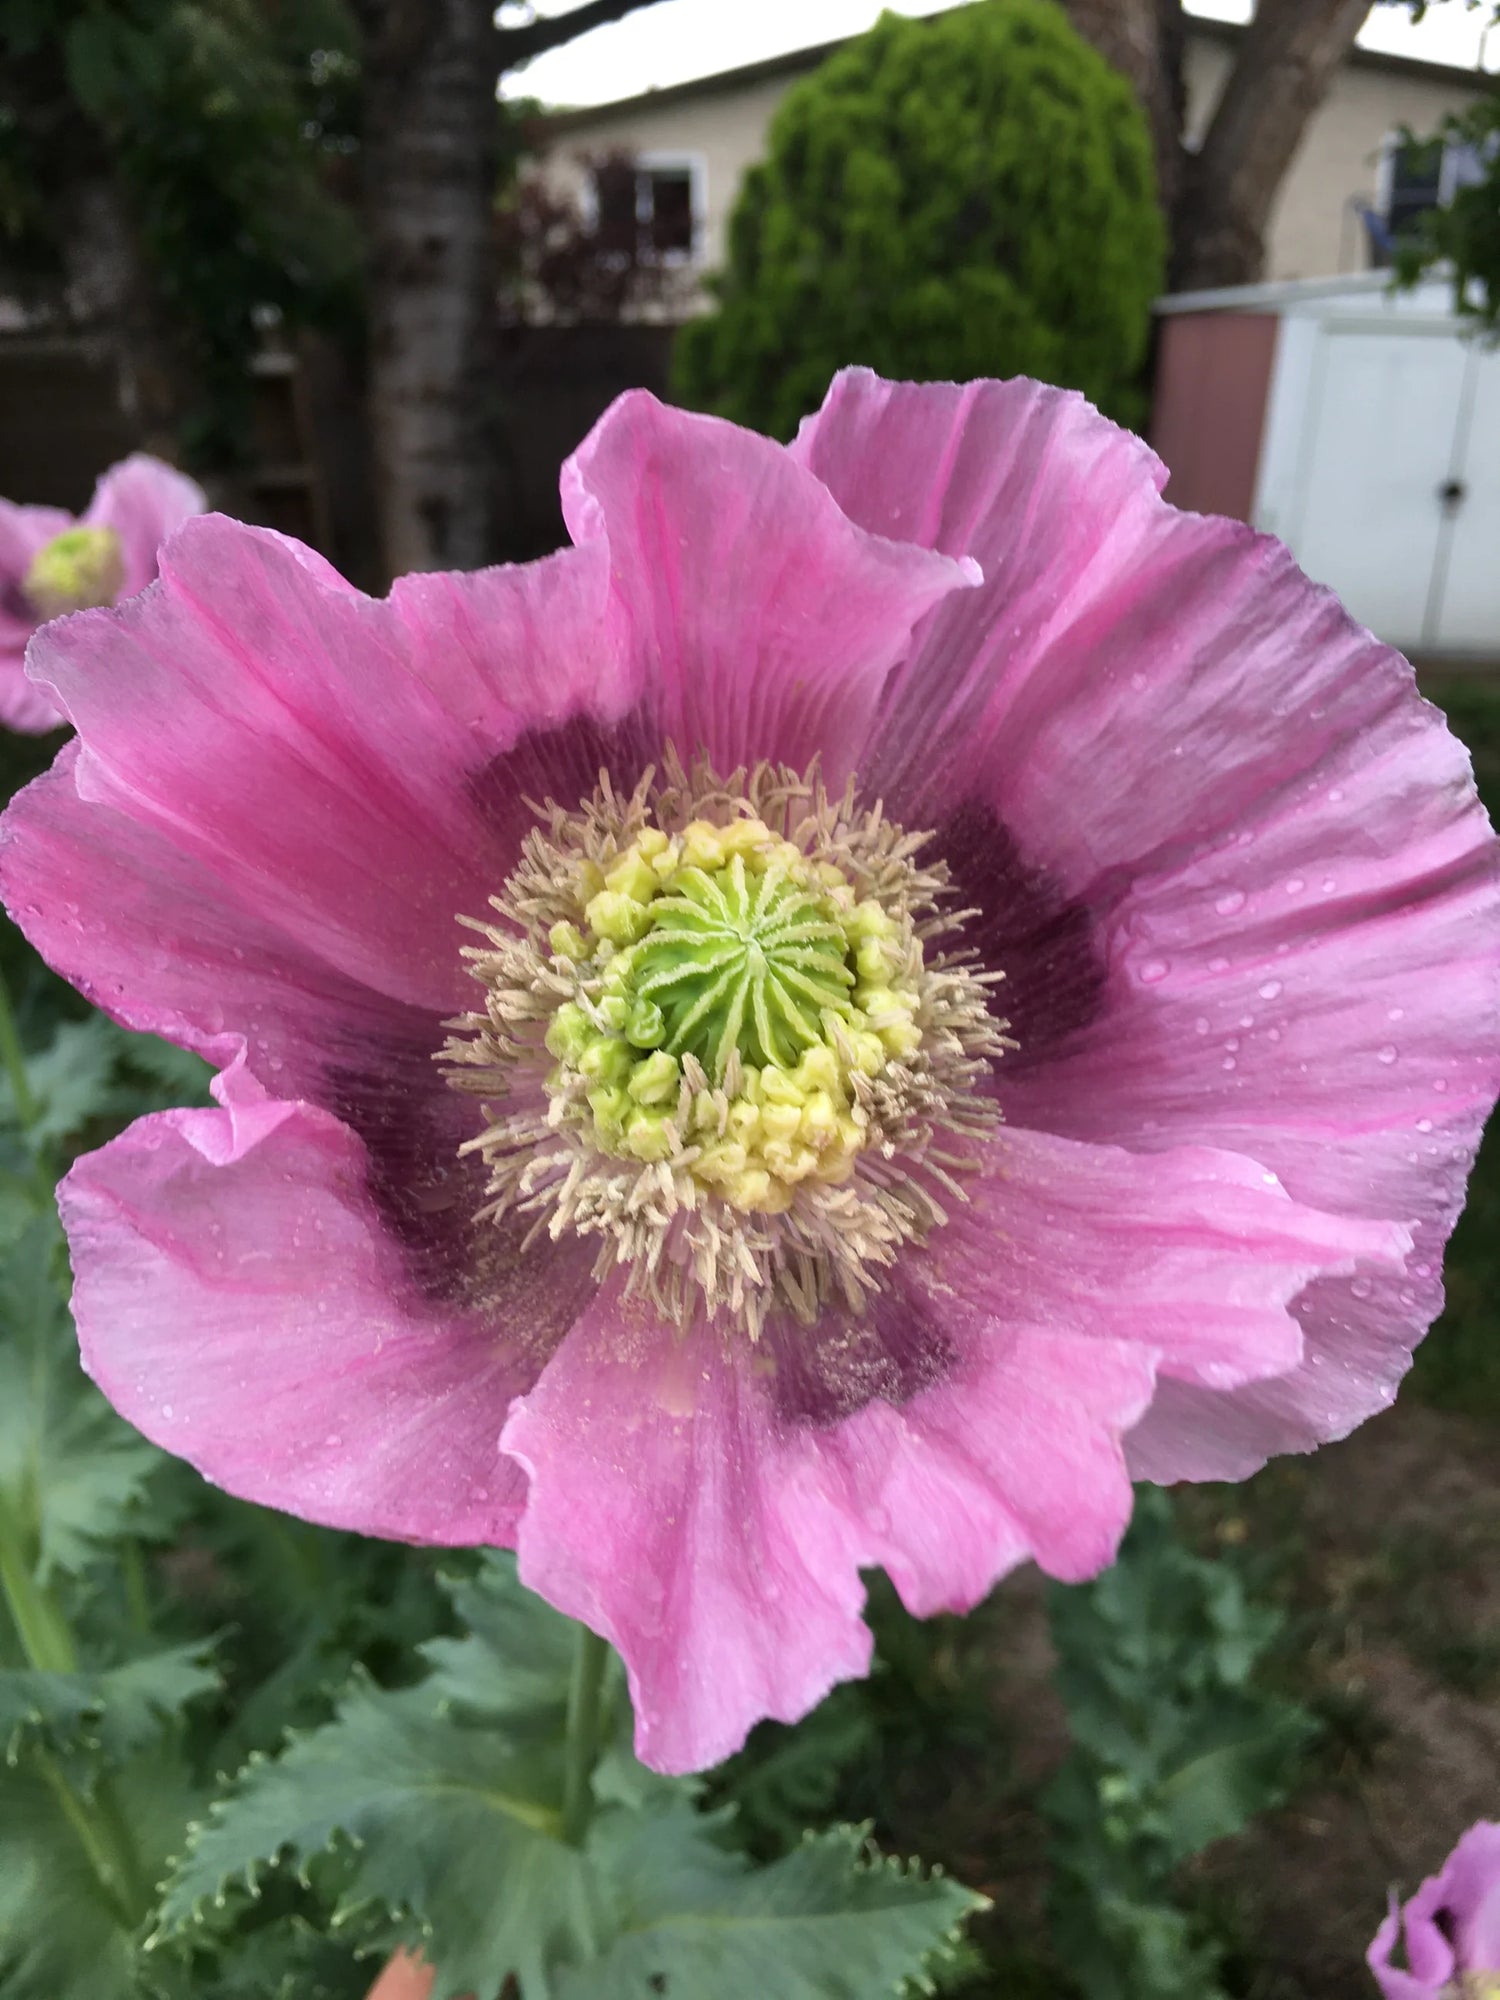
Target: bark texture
{"points": [[1287, 63], [1219, 200], [430, 147], [431, 127]]}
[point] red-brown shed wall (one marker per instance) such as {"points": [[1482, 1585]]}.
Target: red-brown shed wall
{"points": [[1213, 375]]}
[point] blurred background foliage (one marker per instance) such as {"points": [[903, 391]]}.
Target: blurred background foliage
{"points": [[1461, 237], [192, 156]]}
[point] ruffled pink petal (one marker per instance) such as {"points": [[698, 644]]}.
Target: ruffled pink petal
{"points": [[1289, 884], [1086, 1263], [661, 1513], [1052, 501], [1395, 1984], [679, 1506], [145, 502], [288, 794], [720, 1553], [238, 1300], [765, 622], [1359, 1066], [1460, 1903], [1199, 1253]]}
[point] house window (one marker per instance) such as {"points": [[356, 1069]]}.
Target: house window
{"points": [[1417, 176], [652, 203], [664, 207], [1415, 183]]}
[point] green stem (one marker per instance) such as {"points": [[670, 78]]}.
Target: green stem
{"points": [[47, 1641], [137, 1598], [15, 1062], [581, 1747], [35, 1612], [117, 1883]]}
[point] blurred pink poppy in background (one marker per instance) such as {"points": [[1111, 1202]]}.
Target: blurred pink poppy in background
{"points": [[52, 563], [1451, 1926], [699, 1182]]}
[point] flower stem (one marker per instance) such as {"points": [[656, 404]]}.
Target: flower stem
{"points": [[35, 1612], [47, 1641], [581, 1746], [15, 1062]]}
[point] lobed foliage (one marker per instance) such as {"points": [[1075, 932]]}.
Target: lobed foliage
{"points": [[1176, 1746], [948, 198]]}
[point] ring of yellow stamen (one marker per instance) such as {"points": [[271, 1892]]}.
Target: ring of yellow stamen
{"points": [[731, 990], [717, 1036], [78, 570]]}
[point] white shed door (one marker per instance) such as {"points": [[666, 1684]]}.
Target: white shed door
{"points": [[1466, 592], [1383, 422]]}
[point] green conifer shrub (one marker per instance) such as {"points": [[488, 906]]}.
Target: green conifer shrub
{"points": [[970, 194]]}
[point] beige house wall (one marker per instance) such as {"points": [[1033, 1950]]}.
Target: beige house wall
{"points": [[726, 130], [1314, 231]]}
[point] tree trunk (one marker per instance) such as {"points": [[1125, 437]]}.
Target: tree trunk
{"points": [[1218, 201], [1143, 40], [430, 143], [110, 293], [1286, 65], [431, 126]]}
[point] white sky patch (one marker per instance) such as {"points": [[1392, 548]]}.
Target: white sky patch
{"points": [[676, 40]]}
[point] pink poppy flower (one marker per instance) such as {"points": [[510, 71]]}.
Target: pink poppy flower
{"points": [[51, 563], [721, 1222], [1452, 1927]]}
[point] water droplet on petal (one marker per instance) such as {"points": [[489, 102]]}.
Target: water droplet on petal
{"points": [[1295, 885], [1270, 990], [1424, 1124], [1388, 1054], [1200, 1026], [1218, 965], [1335, 795], [1361, 1287], [1152, 971], [1396, 1014], [1230, 901], [1228, 1063]]}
